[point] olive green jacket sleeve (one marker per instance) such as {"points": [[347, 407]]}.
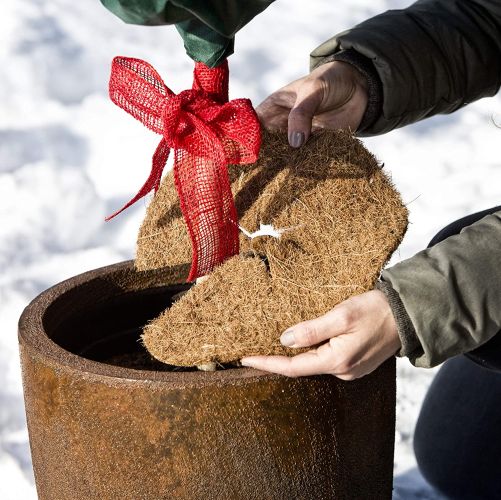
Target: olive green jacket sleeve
{"points": [[433, 57], [452, 292]]}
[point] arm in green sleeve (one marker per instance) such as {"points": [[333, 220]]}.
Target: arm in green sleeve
{"points": [[452, 292]]}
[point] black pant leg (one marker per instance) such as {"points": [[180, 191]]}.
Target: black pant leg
{"points": [[457, 441]]}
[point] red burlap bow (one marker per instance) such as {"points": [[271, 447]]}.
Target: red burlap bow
{"points": [[207, 134]]}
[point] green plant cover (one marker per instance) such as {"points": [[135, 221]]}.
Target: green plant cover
{"points": [[208, 28]]}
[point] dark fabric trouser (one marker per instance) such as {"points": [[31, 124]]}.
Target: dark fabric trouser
{"points": [[457, 440]]}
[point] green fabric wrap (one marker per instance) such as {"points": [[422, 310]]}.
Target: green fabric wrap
{"points": [[204, 44], [208, 28]]}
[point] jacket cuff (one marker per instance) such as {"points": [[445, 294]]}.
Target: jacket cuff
{"points": [[405, 328], [374, 86]]}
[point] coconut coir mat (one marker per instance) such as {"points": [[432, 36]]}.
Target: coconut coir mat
{"points": [[338, 219]]}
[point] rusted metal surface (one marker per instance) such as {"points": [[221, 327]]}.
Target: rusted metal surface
{"points": [[99, 431]]}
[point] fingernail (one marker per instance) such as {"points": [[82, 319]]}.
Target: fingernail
{"points": [[287, 338], [246, 362], [296, 139]]}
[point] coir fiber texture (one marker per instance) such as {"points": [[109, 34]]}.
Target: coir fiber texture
{"points": [[339, 219]]}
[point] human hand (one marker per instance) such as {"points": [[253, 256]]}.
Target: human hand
{"points": [[361, 333], [332, 96]]}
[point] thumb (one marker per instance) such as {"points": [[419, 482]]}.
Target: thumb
{"points": [[308, 100]]}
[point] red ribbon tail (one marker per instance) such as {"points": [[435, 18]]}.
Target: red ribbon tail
{"points": [[153, 182]]}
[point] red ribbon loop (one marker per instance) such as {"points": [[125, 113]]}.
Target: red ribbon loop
{"points": [[207, 133]]}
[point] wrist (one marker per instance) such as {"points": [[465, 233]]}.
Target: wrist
{"points": [[408, 337], [388, 327]]}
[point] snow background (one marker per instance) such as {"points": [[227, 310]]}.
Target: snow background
{"points": [[68, 157]]}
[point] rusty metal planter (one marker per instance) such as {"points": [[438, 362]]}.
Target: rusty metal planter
{"points": [[101, 431]]}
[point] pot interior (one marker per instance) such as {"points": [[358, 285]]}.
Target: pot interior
{"points": [[105, 324]]}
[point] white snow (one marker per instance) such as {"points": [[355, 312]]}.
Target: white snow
{"points": [[68, 157]]}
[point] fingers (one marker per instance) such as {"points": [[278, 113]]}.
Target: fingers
{"points": [[315, 331], [308, 101], [273, 112], [292, 107], [308, 363], [327, 359]]}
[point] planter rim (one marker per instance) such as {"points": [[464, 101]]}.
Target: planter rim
{"points": [[32, 335]]}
